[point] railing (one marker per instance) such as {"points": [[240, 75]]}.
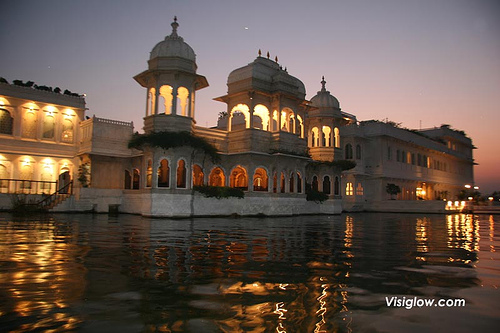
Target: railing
{"points": [[27, 186], [61, 193]]}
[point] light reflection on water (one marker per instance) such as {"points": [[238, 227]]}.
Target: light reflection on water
{"points": [[301, 274]]}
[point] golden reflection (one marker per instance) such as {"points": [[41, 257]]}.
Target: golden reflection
{"points": [[322, 309], [421, 235], [492, 233]]}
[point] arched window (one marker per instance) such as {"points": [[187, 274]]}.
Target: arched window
{"points": [[299, 183], [6, 122], [198, 176], [315, 137], [260, 180], [262, 113], [136, 182], [292, 185], [181, 174], [314, 184], [301, 126], [348, 151], [359, 189], [240, 110], [358, 152], [282, 183], [67, 131], [327, 136], [127, 180], [239, 178], [166, 95], [151, 102], [163, 174], [326, 185], [336, 188], [149, 174], [48, 126], [217, 177], [349, 189], [29, 124], [183, 97], [337, 137]]}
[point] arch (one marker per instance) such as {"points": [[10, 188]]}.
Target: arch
{"points": [[292, 182], [260, 180], [301, 126], [282, 182], [46, 175], [287, 120], [336, 136], [314, 137], [4, 174], [26, 173], [163, 174], [299, 183], [327, 136], [348, 151], [327, 185], [183, 97], [67, 131], [263, 113], [181, 174], [48, 126], [149, 174], [64, 179], [240, 108], [239, 178], [167, 96], [6, 121], [314, 183], [336, 187], [127, 180], [198, 176], [151, 103], [29, 124], [358, 152], [217, 177], [136, 180]]}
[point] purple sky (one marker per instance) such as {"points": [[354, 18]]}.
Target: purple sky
{"points": [[427, 62]]}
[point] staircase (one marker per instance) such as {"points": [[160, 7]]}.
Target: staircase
{"points": [[57, 197]]}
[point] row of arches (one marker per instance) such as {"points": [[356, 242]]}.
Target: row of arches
{"points": [[324, 137], [46, 124], [327, 185], [348, 152], [170, 100], [260, 117]]}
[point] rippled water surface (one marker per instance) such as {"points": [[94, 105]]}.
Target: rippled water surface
{"points": [[93, 273]]}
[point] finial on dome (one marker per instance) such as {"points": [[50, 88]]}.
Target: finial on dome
{"points": [[323, 82], [174, 25], [267, 54], [276, 59], [260, 52]]}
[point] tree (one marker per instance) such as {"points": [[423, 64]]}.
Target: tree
{"points": [[393, 190]]}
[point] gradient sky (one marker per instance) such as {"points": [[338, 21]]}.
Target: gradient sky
{"points": [[420, 63]]}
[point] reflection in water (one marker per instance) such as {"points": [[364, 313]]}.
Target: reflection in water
{"points": [[297, 274]]}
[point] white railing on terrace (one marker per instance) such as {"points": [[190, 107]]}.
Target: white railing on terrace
{"points": [[113, 122]]}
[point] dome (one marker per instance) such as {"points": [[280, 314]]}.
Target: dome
{"points": [[324, 99], [173, 46], [267, 75]]}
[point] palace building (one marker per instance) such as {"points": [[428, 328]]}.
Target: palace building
{"points": [[271, 143]]}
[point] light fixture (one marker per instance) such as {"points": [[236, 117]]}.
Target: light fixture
{"points": [[467, 186]]}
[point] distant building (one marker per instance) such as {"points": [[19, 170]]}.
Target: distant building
{"points": [[272, 143]]}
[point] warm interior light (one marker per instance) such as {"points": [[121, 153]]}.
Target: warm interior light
{"points": [[467, 186], [26, 161], [490, 198]]}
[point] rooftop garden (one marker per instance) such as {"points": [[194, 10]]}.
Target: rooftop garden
{"points": [[31, 84]]}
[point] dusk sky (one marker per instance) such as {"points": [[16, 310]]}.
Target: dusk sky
{"points": [[419, 63]]}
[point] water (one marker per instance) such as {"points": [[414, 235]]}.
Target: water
{"points": [[92, 273]]}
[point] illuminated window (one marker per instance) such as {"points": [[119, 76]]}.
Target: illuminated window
{"points": [[67, 131], [151, 102], [261, 117], [239, 178], [240, 109], [6, 122], [260, 180], [217, 177], [166, 96], [315, 137], [29, 124], [183, 98], [149, 174], [48, 126], [198, 176], [349, 189], [326, 138], [336, 137], [359, 189], [163, 174], [181, 174]]}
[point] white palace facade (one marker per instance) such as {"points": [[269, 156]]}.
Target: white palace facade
{"points": [[272, 143]]}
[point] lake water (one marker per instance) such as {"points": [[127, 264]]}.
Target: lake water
{"points": [[94, 273]]}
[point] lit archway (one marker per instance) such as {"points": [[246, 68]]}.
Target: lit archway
{"points": [[183, 95], [239, 178], [166, 95], [198, 176], [240, 108], [263, 113], [217, 177], [260, 180]]}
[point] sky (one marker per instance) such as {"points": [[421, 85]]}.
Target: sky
{"points": [[421, 63]]}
